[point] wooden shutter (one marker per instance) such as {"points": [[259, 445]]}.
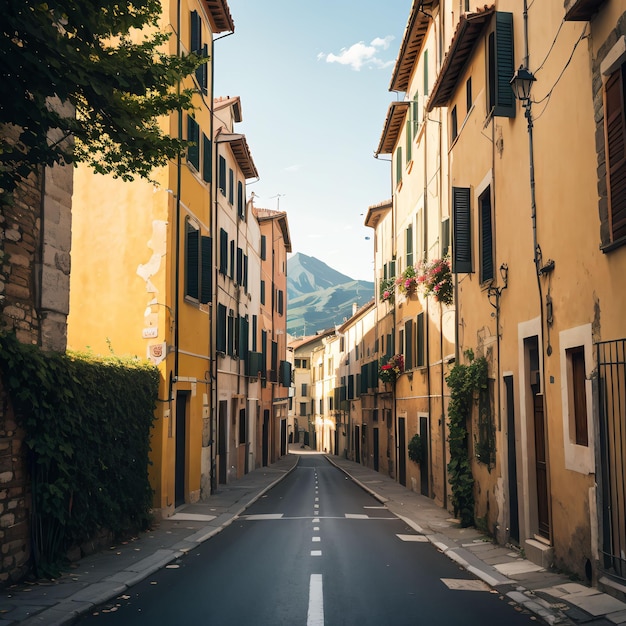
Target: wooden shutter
{"points": [[445, 236], [615, 129], [239, 274], [409, 245], [504, 101], [222, 175], [196, 32], [486, 237], [231, 186], [408, 347], [240, 200], [206, 268], [223, 251], [220, 340], [207, 158], [192, 260], [193, 135], [421, 346], [232, 260], [461, 231], [263, 247]]}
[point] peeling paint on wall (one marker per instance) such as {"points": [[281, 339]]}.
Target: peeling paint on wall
{"points": [[158, 245]]}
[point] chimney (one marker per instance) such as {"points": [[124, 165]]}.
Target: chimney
{"points": [[355, 306]]}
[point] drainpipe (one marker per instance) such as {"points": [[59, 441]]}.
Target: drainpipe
{"points": [[177, 210]]}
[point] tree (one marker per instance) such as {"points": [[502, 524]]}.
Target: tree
{"points": [[104, 62]]}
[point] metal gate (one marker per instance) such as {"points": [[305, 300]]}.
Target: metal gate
{"points": [[612, 405]]}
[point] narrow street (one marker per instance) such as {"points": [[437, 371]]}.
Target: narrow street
{"points": [[315, 550]]}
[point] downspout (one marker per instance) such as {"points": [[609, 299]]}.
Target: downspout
{"points": [[424, 250], [177, 210]]}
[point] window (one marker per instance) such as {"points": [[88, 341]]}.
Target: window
{"points": [[615, 133], [461, 231], [232, 260], [454, 127], [192, 259], [409, 245], [222, 175], [468, 94], [230, 333], [240, 201], [500, 69], [321, 403], [263, 247], [420, 360], [279, 301], [399, 165], [239, 273], [415, 113], [262, 292], [254, 332], [193, 135], [231, 186], [207, 158], [245, 272], [198, 48], [206, 269], [425, 72], [409, 141], [223, 252], [220, 340], [486, 236], [303, 409], [445, 236], [304, 389], [408, 348], [578, 395]]}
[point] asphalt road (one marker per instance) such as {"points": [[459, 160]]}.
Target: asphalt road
{"points": [[317, 551]]}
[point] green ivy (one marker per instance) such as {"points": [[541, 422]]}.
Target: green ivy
{"points": [[87, 421], [464, 382], [415, 449]]}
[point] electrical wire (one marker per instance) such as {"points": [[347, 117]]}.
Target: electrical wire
{"points": [[551, 46]]}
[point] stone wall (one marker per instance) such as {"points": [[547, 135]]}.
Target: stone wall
{"points": [[35, 238]]}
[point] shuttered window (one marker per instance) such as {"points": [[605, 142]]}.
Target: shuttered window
{"points": [[461, 231], [231, 186], [222, 175], [240, 201], [615, 130], [399, 165], [408, 349], [206, 268], [223, 251], [486, 236], [500, 98], [207, 158], [192, 259], [193, 136], [409, 245], [421, 338], [220, 340]]}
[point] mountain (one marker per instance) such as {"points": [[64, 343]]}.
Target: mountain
{"points": [[318, 297]]}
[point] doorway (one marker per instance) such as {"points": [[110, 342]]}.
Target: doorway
{"points": [[222, 427], [180, 448], [511, 460], [402, 451], [425, 461]]}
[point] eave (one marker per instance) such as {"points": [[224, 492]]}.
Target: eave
{"points": [[241, 152], [394, 123], [581, 10], [264, 215], [219, 16], [469, 30], [412, 42], [376, 212]]}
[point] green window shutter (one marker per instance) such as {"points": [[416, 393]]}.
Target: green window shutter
{"points": [[245, 272], [392, 268], [425, 72], [409, 141], [192, 260], [231, 186], [240, 201], [399, 164], [421, 348], [239, 271], [263, 247], [255, 321], [264, 353], [445, 236], [196, 32], [206, 267], [409, 245], [262, 292], [222, 175], [461, 231], [220, 340], [486, 238], [193, 136], [415, 113], [408, 347], [231, 274], [223, 251], [504, 101], [364, 379], [207, 158]]}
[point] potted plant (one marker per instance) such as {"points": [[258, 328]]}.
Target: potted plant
{"points": [[435, 278], [389, 370], [407, 281]]}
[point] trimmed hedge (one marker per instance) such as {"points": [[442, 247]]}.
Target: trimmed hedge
{"points": [[87, 421]]}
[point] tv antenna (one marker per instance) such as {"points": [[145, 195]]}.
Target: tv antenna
{"points": [[278, 196]]}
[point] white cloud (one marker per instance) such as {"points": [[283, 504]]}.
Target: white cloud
{"points": [[360, 55], [293, 168]]}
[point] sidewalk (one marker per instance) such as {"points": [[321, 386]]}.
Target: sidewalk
{"points": [[96, 579]]}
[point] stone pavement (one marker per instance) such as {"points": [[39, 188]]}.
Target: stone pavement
{"points": [[105, 576]]}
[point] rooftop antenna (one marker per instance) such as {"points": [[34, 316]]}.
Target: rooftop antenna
{"points": [[278, 196]]}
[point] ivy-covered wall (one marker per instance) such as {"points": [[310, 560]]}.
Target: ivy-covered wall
{"points": [[86, 423]]}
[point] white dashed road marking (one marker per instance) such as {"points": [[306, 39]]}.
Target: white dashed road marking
{"points": [[315, 615]]}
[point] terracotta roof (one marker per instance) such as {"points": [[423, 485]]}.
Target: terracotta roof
{"points": [[412, 41], [219, 14], [394, 123], [364, 309], [376, 211], [240, 150], [468, 31], [268, 214]]}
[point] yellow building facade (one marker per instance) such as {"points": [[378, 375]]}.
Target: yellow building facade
{"points": [[142, 280]]}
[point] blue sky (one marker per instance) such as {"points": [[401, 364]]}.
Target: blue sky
{"points": [[313, 78]]}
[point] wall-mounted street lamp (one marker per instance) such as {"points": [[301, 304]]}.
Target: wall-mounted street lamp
{"points": [[522, 83]]}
